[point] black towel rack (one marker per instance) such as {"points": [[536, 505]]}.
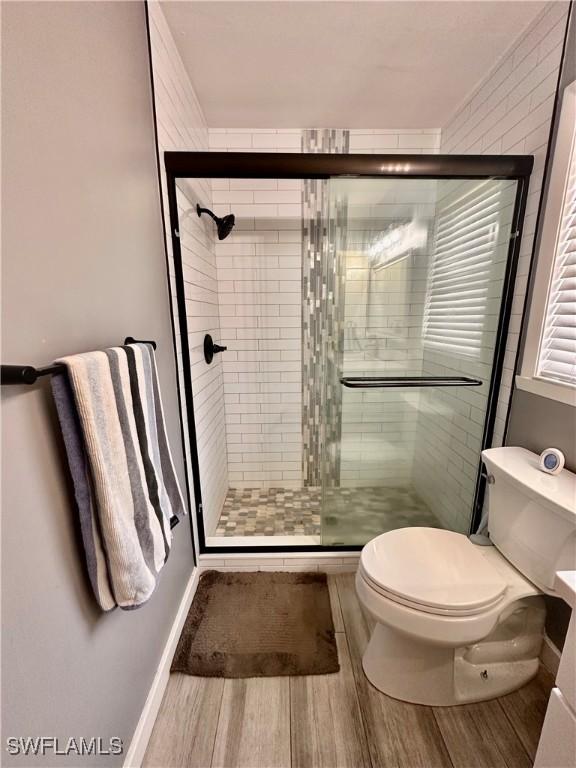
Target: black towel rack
{"points": [[27, 374]]}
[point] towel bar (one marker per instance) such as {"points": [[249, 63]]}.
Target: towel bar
{"points": [[27, 374], [380, 382]]}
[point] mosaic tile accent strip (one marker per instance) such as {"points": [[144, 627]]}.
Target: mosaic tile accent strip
{"points": [[323, 240], [351, 516]]}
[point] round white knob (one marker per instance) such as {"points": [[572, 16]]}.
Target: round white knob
{"points": [[552, 461]]}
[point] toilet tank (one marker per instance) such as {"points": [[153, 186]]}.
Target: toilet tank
{"points": [[531, 514]]}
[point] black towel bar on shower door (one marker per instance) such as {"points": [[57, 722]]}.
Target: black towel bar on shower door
{"points": [[27, 374], [377, 382]]}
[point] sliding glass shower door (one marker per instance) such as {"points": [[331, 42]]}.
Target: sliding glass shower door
{"points": [[361, 305], [412, 274]]}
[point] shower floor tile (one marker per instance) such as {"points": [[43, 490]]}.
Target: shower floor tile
{"points": [[355, 515], [270, 512], [351, 516]]}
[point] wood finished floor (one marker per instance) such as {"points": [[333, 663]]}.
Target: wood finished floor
{"points": [[338, 721]]}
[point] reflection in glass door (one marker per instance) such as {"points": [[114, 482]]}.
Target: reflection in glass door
{"points": [[416, 269]]}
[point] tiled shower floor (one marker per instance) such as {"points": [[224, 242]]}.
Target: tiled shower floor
{"points": [[351, 515]]}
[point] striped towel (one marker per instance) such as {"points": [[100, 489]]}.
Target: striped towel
{"points": [[83, 491], [149, 415], [128, 487]]}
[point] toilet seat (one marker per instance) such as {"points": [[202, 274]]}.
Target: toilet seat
{"points": [[432, 570], [436, 611]]}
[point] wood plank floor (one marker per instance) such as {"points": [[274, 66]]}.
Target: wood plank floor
{"points": [[338, 721]]}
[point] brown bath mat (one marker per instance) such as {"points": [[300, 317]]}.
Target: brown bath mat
{"points": [[260, 624]]}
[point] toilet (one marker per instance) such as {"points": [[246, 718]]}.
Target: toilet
{"points": [[457, 622]]}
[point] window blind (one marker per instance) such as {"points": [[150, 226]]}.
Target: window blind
{"points": [[557, 359], [459, 281]]}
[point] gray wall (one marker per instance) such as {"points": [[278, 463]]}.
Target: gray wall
{"points": [[83, 266], [537, 422]]}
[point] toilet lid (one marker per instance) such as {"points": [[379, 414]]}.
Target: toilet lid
{"points": [[433, 568]]}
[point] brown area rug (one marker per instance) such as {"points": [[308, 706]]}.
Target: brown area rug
{"points": [[262, 624]]}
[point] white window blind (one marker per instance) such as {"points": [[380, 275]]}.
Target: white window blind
{"points": [[459, 282], [557, 358]]}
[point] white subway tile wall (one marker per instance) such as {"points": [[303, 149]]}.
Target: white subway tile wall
{"points": [[260, 296], [181, 125], [202, 317], [398, 141], [510, 112], [334, 562]]}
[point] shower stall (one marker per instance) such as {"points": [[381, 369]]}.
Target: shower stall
{"points": [[359, 306]]}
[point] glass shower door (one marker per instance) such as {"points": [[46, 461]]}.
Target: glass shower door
{"points": [[415, 273]]}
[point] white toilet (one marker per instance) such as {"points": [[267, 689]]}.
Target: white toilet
{"points": [[457, 622]]}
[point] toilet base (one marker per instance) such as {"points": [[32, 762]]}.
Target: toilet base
{"points": [[421, 673]]}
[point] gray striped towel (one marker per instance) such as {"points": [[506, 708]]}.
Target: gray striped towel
{"points": [[83, 491], [129, 478], [149, 415]]}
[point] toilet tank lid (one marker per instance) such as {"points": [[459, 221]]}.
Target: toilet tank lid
{"points": [[521, 467]]}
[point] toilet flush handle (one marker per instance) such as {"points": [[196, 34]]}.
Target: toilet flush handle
{"points": [[488, 477]]}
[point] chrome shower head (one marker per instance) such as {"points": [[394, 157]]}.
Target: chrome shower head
{"points": [[224, 225]]}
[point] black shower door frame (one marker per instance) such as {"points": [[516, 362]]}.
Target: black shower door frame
{"points": [[272, 165]]}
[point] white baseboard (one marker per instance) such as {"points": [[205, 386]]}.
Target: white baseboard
{"points": [[141, 736], [550, 656]]}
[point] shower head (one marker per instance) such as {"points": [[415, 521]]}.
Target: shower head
{"points": [[224, 225]]}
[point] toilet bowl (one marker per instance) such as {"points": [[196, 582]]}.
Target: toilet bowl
{"points": [[457, 622], [470, 630]]}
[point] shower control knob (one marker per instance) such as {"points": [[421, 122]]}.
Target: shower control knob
{"points": [[211, 348]]}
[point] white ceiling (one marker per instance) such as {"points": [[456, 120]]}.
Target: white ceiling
{"points": [[340, 64]]}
